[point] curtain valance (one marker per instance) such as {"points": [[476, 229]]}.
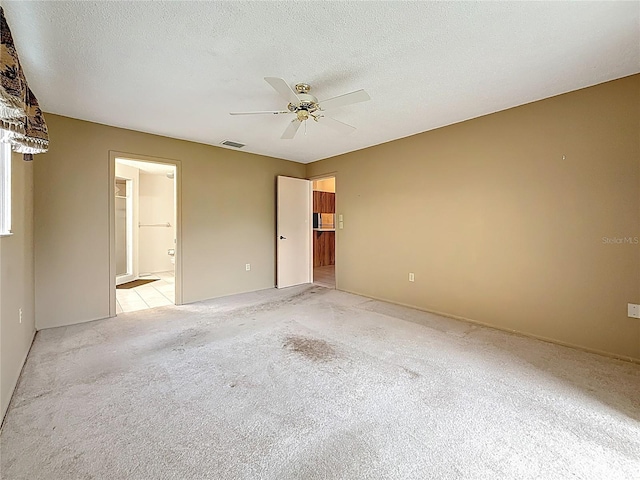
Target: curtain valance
{"points": [[20, 115]]}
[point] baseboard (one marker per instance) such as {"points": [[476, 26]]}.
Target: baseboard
{"points": [[241, 292], [38, 327], [503, 329], [80, 322], [13, 389]]}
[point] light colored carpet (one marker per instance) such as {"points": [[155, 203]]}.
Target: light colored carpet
{"points": [[310, 383]]}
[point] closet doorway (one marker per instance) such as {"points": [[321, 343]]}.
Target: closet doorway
{"points": [[324, 231], [145, 236]]}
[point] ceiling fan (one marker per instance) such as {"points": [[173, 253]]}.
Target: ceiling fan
{"points": [[306, 106]]}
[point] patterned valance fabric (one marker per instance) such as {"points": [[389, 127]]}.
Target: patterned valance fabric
{"points": [[20, 115]]}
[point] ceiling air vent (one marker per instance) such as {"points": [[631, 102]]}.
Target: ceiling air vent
{"points": [[229, 143]]}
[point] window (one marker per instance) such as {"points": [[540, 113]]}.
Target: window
{"points": [[5, 188]]}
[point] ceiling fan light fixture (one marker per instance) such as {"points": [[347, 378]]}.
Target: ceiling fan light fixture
{"points": [[302, 115]]}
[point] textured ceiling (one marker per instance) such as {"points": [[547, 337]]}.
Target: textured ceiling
{"points": [[178, 68]]}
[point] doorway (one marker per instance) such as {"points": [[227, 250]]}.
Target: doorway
{"points": [[145, 238], [324, 232]]}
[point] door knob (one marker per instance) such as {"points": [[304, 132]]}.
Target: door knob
{"points": [[282, 238]]}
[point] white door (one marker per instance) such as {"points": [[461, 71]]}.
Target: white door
{"points": [[293, 232]]}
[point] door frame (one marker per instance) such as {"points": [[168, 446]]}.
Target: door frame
{"points": [[112, 222], [333, 174]]}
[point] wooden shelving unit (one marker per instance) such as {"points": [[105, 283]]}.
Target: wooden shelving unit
{"points": [[324, 242]]}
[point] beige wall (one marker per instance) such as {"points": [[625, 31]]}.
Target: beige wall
{"points": [[502, 218], [16, 281], [228, 218]]}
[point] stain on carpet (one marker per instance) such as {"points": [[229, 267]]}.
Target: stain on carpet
{"points": [[410, 373], [311, 348]]}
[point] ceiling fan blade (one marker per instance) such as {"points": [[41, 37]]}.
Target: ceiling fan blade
{"points": [[283, 88], [291, 130], [346, 99], [336, 125], [273, 112]]}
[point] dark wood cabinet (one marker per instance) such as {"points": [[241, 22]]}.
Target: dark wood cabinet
{"points": [[324, 250], [324, 202], [330, 202]]}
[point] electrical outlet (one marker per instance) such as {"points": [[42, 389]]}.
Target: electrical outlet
{"points": [[20, 313], [247, 267], [633, 310], [412, 277]]}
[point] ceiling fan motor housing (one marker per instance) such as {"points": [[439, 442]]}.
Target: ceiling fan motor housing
{"points": [[307, 102], [303, 88]]}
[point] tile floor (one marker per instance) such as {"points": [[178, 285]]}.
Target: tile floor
{"points": [[325, 276], [155, 294]]}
